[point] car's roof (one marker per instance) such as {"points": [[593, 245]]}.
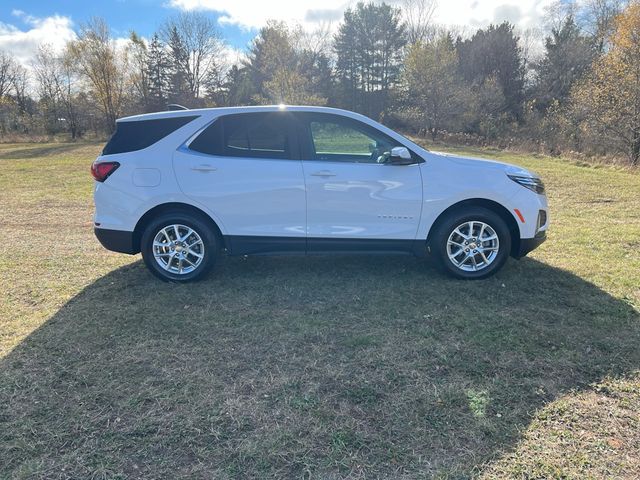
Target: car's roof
{"points": [[214, 112]]}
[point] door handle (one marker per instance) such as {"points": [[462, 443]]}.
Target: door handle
{"points": [[204, 168], [323, 173]]}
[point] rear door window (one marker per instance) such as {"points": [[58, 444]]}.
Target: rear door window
{"points": [[138, 134], [253, 135]]}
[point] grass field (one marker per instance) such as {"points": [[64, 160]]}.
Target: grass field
{"points": [[336, 367]]}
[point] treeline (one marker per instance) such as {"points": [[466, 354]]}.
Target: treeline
{"points": [[580, 92]]}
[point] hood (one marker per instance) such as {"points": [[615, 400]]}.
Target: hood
{"points": [[483, 163]]}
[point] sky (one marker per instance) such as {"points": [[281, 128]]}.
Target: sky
{"points": [[24, 24]]}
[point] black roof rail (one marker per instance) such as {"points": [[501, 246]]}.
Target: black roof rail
{"points": [[174, 106]]}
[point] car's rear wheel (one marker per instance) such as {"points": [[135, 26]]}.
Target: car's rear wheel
{"points": [[471, 243], [178, 247]]}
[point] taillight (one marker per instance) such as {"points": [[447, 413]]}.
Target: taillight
{"points": [[102, 170]]}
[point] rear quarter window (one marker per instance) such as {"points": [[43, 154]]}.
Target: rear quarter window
{"points": [[138, 134]]}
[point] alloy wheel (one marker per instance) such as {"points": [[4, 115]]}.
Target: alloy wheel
{"points": [[473, 246], [178, 249]]}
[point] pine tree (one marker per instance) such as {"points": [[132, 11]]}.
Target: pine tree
{"points": [[369, 46], [238, 87], [493, 53], [179, 91], [137, 56], [280, 70], [568, 56], [158, 70]]}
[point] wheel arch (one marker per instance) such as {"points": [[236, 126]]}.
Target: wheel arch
{"points": [[492, 205], [163, 208]]}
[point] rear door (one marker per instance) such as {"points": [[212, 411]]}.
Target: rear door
{"points": [[246, 169], [351, 193]]}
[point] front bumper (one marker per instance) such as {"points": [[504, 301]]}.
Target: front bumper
{"points": [[117, 240], [529, 244]]}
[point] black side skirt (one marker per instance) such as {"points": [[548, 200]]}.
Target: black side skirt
{"points": [[253, 245]]}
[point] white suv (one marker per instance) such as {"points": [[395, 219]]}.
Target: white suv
{"points": [[182, 186]]}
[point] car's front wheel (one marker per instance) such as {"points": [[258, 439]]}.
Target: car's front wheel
{"points": [[179, 247], [472, 243]]}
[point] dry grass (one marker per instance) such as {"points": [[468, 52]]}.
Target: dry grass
{"points": [[336, 367]]}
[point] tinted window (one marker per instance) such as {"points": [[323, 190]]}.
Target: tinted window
{"points": [[262, 135], [210, 140], [341, 139], [138, 134]]}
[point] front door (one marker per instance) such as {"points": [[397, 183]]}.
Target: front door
{"points": [[355, 197]]}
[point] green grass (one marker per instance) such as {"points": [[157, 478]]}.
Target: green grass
{"points": [[319, 367]]}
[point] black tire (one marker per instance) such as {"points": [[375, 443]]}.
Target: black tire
{"points": [[199, 225], [445, 227]]}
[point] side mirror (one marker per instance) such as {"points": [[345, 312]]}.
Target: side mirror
{"points": [[400, 156]]}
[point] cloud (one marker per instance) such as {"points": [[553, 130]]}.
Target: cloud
{"points": [[323, 15], [251, 14], [23, 43], [510, 13], [478, 13], [232, 56]]}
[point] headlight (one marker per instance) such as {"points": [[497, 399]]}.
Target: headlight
{"points": [[532, 183]]}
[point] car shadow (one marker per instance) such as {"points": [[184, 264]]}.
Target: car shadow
{"points": [[293, 366]]}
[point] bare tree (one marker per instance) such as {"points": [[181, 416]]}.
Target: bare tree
{"points": [[597, 18], [69, 93], [317, 42], [418, 15], [20, 86], [56, 83], [530, 41], [594, 17], [48, 78], [198, 35], [97, 58], [607, 101], [137, 50], [45, 69], [7, 73], [438, 97], [557, 13]]}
